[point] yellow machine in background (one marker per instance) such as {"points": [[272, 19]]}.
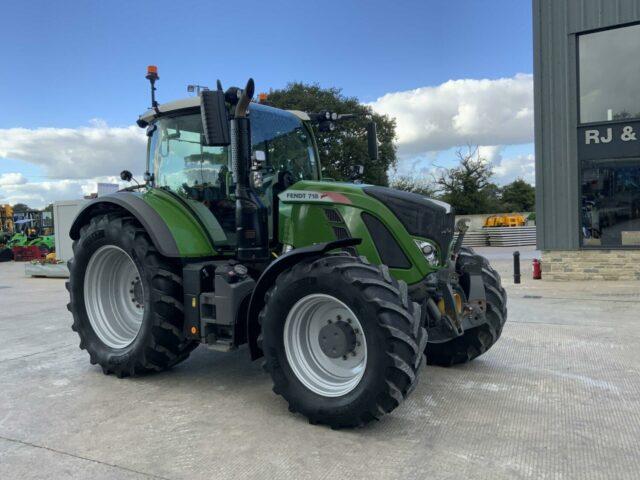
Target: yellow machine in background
{"points": [[6, 219], [505, 220]]}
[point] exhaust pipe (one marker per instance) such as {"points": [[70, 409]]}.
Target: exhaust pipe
{"points": [[252, 234]]}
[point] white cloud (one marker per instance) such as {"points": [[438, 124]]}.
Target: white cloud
{"points": [[12, 179], [77, 153], [520, 166], [430, 120], [429, 166], [460, 112], [41, 194]]}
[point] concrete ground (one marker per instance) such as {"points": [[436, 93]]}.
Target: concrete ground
{"points": [[557, 397]]}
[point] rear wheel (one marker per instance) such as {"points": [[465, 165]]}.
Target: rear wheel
{"points": [[126, 299], [475, 341], [342, 341]]}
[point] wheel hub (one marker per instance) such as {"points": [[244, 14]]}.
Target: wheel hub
{"points": [[325, 345], [114, 296], [337, 339]]}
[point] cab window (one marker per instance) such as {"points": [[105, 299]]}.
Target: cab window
{"points": [[285, 141]]}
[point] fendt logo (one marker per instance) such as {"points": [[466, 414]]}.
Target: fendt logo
{"points": [[293, 196]]}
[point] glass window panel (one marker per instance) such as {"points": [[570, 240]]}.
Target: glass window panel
{"points": [[611, 204], [285, 142], [609, 63]]}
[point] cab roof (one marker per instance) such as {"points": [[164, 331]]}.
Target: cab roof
{"points": [[194, 102]]}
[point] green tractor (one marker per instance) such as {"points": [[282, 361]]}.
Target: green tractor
{"points": [[234, 238]]}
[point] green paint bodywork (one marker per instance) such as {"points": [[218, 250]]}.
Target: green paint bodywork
{"points": [[187, 230], [304, 223], [300, 224], [18, 240], [47, 241]]}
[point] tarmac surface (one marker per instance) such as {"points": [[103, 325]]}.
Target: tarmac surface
{"points": [[558, 397]]}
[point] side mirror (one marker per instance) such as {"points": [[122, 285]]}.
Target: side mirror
{"points": [[372, 140], [126, 175], [215, 122]]}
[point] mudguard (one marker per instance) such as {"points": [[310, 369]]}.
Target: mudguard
{"points": [[269, 276], [174, 225], [150, 219]]}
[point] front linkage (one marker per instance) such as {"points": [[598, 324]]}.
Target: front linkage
{"points": [[464, 306]]}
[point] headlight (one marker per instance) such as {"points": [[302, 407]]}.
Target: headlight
{"points": [[428, 250]]}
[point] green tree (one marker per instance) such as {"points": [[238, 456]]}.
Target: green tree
{"points": [[467, 187], [20, 208], [519, 196], [422, 186], [347, 144]]}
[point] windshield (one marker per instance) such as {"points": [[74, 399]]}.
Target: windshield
{"points": [[180, 161]]}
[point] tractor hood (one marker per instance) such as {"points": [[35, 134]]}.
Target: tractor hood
{"points": [[421, 216], [406, 215]]}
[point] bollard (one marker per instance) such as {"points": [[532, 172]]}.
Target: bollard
{"points": [[516, 267]]}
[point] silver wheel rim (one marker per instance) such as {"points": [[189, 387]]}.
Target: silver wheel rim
{"points": [[114, 296], [326, 376]]}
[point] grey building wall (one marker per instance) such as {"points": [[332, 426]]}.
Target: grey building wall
{"points": [[555, 25]]}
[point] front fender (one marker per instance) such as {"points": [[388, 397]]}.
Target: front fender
{"points": [[270, 275], [174, 230]]}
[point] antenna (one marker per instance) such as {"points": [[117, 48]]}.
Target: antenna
{"points": [[152, 76]]}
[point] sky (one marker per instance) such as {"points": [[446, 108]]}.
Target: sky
{"points": [[72, 84]]}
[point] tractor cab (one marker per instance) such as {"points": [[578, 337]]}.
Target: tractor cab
{"points": [[283, 151]]}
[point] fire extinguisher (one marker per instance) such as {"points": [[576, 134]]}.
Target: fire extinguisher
{"points": [[537, 270]]}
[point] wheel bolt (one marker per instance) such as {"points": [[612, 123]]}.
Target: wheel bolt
{"points": [[348, 320], [344, 357], [339, 317], [328, 321], [353, 353], [357, 344]]}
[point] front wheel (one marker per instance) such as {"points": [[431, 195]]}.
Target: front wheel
{"points": [[342, 341], [475, 341]]}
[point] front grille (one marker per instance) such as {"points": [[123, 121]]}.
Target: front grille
{"points": [[419, 215], [388, 249]]}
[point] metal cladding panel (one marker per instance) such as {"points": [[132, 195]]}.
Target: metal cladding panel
{"points": [[555, 25]]}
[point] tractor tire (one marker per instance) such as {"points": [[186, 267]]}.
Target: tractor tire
{"points": [[476, 341], [126, 299], [378, 340]]}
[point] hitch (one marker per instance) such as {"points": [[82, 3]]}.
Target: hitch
{"points": [[449, 305]]}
